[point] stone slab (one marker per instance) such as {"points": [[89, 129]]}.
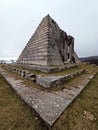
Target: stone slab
{"points": [[48, 81], [45, 81], [49, 105], [52, 81], [46, 69]]}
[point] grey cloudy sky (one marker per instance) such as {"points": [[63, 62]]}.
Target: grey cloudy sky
{"points": [[20, 18]]}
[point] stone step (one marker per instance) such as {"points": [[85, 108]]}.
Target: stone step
{"points": [[45, 69], [39, 40], [49, 105], [52, 81], [70, 92], [79, 80], [45, 81], [24, 73]]}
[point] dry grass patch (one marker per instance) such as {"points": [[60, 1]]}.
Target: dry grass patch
{"points": [[82, 114], [14, 113], [57, 73]]}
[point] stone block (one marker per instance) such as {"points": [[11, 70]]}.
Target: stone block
{"points": [[48, 105], [31, 77], [18, 71], [23, 73], [50, 41], [48, 81], [52, 81]]}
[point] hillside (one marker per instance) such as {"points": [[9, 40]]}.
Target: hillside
{"points": [[92, 59]]}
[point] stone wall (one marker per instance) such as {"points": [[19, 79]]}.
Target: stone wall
{"points": [[35, 52]]}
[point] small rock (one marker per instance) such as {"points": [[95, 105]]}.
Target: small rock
{"points": [[88, 115], [36, 118]]}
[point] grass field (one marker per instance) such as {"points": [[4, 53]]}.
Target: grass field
{"points": [[82, 114], [14, 113]]}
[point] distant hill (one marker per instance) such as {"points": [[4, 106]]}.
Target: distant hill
{"points": [[92, 59], [7, 61]]}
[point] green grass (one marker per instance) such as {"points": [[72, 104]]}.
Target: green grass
{"points": [[14, 113], [58, 73], [70, 83]]}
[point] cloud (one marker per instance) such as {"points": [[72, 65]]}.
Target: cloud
{"points": [[19, 19]]}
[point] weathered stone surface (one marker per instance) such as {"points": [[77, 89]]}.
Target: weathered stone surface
{"points": [[46, 81], [46, 69], [23, 73], [31, 77], [52, 81], [49, 45], [48, 105]]}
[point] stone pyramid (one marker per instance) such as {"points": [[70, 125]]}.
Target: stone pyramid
{"points": [[49, 45]]}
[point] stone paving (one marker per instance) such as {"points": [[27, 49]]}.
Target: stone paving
{"points": [[49, 105]]}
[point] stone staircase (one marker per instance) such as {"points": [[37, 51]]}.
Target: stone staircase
{"points": [[51, 104], [48, 80]]}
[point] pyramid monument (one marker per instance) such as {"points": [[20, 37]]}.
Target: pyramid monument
{"points": [[49, 45]]}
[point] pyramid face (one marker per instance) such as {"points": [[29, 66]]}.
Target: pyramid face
{"points": [[49, 45]]}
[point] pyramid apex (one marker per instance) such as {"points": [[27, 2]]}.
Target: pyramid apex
{"points": [[47, 16], [46, 19]]}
